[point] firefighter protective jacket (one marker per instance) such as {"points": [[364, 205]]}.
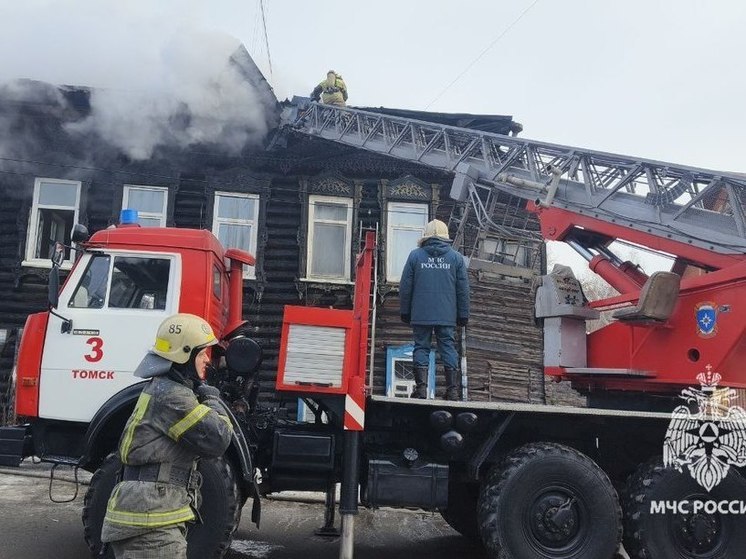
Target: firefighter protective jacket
{"points": [[332, 91], [168, 426]]}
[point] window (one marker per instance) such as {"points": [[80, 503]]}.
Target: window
{"points": [[54, 211], [130, 282], [511, 253], [235, 222], [91, 291], [405, 224], [139, 283], [329, 243], [151, 203]]}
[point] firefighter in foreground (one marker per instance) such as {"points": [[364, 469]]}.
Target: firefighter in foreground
{"points": [[176, 421], [434, 297], [331, 91]]}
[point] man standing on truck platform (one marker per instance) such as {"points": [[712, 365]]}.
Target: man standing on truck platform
{"points": [[331, 91], [176, 420], [434, 297]]}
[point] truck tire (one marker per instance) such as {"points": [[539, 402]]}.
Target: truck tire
{"points": [[220, 508], [670, 535], [549, 501], [461, 514], [94, 503]]}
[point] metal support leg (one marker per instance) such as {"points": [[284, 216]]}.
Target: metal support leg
{"points": [[328, 530], [347, 544], [349, 493]]}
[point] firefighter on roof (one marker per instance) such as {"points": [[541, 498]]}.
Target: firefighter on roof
{"points": [[434, 297], [332, 90], [176, 421]]}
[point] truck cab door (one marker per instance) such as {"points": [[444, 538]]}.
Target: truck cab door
{"points": [[115, 302]]}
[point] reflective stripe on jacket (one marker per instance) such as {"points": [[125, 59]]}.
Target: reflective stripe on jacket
{"points": [[168, 425]]}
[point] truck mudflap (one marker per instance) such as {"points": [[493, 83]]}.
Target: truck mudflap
{"points": [[15, 445]]}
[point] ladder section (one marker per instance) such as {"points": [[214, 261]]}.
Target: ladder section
{"points": [[695, 206]]}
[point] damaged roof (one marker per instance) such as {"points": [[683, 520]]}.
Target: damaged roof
{"points": [[496, 124]]}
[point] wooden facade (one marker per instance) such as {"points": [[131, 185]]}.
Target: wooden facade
{"points": [[504, 345]]}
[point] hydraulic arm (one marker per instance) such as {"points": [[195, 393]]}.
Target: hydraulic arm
{"points": [[674, 324]]}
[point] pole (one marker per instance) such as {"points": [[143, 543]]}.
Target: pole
{"points": [[349, 493], [464, 394]]}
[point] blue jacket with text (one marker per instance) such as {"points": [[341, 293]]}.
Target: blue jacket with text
{"points": [[434, 287]]}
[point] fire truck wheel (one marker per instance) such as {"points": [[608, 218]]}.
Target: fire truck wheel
{"points": [[547, 500], [220, 511], [461, 514], [220, 508], [94, 504], [682, 534]]}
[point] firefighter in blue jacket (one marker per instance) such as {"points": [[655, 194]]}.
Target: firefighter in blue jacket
{"points": [[176, 421], [434, 297]]}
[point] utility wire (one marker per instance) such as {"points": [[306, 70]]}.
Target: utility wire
{"points": [[481, 54], [266, 37]]}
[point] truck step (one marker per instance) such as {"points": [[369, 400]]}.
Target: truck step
{"points": [[15, 443], [587, 371]]}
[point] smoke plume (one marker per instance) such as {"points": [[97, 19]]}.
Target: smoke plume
{"points": [[156, 78]]}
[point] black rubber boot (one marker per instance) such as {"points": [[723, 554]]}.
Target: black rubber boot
{"points": [[420, 379], [453, 384]]}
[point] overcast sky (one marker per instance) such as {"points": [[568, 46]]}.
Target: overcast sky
{"points": [[658, 79]]}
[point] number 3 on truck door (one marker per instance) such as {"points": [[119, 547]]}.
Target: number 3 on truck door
{"points": [[97, 349]]}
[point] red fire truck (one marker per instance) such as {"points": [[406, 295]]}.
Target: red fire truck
{"points": [[526, 480]]}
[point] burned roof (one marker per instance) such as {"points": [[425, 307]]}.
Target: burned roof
{"points": [[496, 124]]}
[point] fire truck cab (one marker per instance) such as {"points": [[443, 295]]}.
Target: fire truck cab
{"points": [[74, 368]]}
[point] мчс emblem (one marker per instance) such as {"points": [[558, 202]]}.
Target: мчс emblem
{"points": [[707, 319], [711, 440]]}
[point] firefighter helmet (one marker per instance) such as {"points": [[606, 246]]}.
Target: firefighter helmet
{"points": [[179, 335], [436, 229]]}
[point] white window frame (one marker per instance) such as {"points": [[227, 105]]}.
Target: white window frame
{"points": [[160, 216], [249, 272], [33, 223], [312, 201], [391, 228]]}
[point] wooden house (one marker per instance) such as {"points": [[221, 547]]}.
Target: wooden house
{"points": [[300, 208]]}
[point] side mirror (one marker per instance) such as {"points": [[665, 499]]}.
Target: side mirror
{"points": [[80, 233], [58, 256]]}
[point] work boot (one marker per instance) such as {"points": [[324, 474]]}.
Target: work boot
{"points": [[420, 379], [453, 384]]}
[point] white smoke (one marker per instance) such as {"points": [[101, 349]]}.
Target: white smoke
{"points": [[157, 77]]}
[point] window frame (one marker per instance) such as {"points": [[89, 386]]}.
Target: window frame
{"points": [[338, 200], [173, 289], [249, 272], [33, 223], [162, 216], [390, 229]]}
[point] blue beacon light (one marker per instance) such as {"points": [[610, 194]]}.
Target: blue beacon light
{"points": [[128, 217]]}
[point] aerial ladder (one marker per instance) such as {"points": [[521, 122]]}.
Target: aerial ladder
{"points": [[668, 326]]}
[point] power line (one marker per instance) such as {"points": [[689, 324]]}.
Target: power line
{"points": [[266, 37], [481, 54]]}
